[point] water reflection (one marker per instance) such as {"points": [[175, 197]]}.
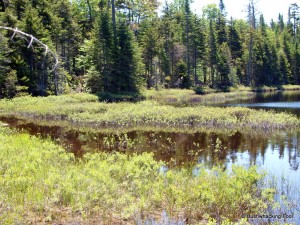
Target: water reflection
{"points": [[280, 101], [178, 148]]}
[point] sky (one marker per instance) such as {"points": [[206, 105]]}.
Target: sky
{"points": [[237, 8]]}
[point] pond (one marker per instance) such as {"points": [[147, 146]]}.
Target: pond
{"points": [[280, 101], [278, 154]]}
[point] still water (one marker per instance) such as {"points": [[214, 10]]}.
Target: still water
{"points": [[278, 154], [280, 101]]}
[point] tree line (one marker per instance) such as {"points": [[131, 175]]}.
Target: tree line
{"points": [[120, 46]]}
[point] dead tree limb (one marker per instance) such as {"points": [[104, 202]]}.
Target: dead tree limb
{"points": [[31, 39]]}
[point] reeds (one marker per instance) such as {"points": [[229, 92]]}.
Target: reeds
{"points": [[85, 111]]}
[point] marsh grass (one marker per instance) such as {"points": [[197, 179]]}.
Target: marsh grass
{"points": [[84, 110], [189, 97], [42, 184], [207, 96]]}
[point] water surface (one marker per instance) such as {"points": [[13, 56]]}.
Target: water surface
{"points": [[280, 101], [278, 154]]}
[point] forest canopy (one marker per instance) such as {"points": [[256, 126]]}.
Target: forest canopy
{"points": [[121, 46]]}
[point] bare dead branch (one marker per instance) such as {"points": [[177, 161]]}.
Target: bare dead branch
{"points": [[33, 39]]}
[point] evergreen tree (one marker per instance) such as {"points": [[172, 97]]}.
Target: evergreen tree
{"points": [[284, 69], [212, 53], [148, 41], [11, 84], [221, 24], [223, 67], [125, 72], [4, 63], [104, 47]]}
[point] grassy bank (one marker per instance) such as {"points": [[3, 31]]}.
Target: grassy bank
{"points": [[42, 184], [84, 110], [177, 97], [208, 96]]}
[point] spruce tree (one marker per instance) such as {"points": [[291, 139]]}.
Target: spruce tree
{"points": [[4, 63], [124, 73], [104, 47], [212, 52], [148, 40]]}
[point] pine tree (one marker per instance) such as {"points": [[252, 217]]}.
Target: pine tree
{"points": [[125, 74], [11, 84], [104, 47], [221, 24], [148, 42], [251, 56], [223, 66], [187, 34], [4, 63], [284, 69], [198, 38], [212, 52]]}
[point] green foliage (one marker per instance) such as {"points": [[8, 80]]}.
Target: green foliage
{"points": [[10, 84], [121, 96], [125, 72], [4, 61], [120, 46], [41, 182], [81, 109], [93, 80]]}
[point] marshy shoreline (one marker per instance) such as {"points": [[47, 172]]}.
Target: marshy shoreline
{"points": [[43, 183], [84, 110]]}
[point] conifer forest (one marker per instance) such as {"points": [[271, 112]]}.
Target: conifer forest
{"points": [[121, 46], [148, 112]]}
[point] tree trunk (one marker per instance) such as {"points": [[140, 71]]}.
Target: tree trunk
{"points": [[90, 12]]}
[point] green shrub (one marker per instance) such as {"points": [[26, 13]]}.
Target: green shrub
{"points": [[41, 183]]}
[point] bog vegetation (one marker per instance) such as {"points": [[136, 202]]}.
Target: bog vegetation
{"points": [[41, 183], [114, 50], [85, 110]]}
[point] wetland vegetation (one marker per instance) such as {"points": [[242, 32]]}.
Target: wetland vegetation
{"points": [[156, 117], [41, 183], [84, 110]]}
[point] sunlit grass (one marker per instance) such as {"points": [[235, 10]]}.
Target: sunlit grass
{"points": [[189, 97], [209, 96], [84, 110], [40, 183]]}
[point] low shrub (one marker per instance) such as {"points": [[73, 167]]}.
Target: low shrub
{"points": [[40, 183]]}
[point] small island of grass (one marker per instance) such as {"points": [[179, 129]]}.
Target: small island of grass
{"points": [[84, 110]]}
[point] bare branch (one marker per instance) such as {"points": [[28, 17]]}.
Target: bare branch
{"points": [[44, 46], [32, 40]]}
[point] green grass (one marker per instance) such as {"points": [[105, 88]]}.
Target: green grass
{"points": [[189, 97], [84, 110], [290, 87], [205, 95], [42, 184]]}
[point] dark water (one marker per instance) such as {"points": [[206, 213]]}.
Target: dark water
{"points": [[176, 148], [278, 154], [280, 101]]}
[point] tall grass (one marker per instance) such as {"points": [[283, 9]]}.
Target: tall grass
{"points": [[40, 183], [83, 110], [189, 97], [205, 95]]}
